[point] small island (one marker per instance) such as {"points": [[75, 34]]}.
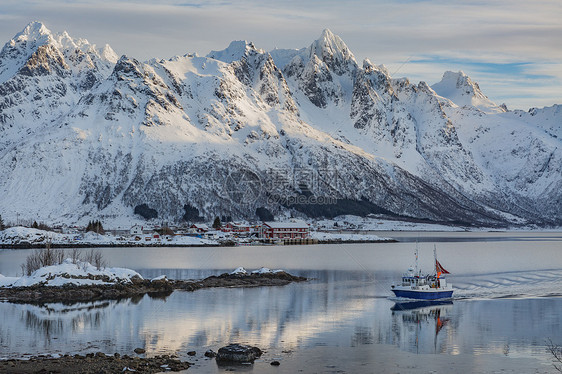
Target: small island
{"points": [[74, 280]]}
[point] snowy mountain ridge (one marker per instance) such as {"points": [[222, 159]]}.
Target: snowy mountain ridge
{"points": [[84, 133]]}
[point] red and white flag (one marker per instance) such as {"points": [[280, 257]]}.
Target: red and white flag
{"points": [[440, 269]]}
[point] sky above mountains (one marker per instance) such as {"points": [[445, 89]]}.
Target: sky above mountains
{"points": [[511, 48]]}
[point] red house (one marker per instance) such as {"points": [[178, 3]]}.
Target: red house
{"points": [[285, 230], [199, 228]]}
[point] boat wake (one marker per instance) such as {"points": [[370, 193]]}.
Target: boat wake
{"points": [[527, 284]]}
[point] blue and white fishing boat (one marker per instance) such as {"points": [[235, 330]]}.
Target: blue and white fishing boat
{"points": [[415, 285]]}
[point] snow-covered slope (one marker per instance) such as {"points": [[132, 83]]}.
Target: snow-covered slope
{"points": [[87, 134]]}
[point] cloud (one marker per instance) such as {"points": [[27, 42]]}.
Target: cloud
{"points": [[493, 40]]}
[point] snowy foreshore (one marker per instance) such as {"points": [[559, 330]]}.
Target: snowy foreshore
{"points": [[77, 273], [24, 237], [74, 280], [334, 237]]}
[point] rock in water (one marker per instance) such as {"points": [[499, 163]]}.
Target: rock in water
{"points": [[210, 353], [238, 353]]}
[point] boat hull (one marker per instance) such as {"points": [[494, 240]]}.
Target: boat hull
{"points": [[423, 295]]}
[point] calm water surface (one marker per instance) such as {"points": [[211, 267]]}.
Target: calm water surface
{"points": [[507, 305]]}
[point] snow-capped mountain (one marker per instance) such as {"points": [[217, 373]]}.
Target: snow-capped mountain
{"points": [[84, 133]]}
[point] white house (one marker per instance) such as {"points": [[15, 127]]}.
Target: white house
{"points": [[136, 230]]}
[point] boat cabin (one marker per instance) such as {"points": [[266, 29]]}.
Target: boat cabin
{"points": [[410, 279]]}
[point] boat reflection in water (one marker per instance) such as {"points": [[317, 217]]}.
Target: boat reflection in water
{"points": [[416, 325]]}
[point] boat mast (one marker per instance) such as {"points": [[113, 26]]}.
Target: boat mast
{"points": [[435, 258], [416, 268]]}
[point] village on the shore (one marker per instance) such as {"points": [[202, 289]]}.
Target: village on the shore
{"points": [[229, 233]]}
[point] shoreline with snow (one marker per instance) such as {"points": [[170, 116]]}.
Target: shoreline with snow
{"points": [[29, 238], [109, 245], [25, 238]]}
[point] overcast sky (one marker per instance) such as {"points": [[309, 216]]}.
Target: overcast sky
{"points": [[511, 48]]}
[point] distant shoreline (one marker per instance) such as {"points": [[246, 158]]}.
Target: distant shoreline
{"points": [[109, 245], [160, 245]]}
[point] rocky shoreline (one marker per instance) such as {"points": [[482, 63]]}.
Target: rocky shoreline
{"points": [[228, 357], [98, 363], [69, 293]]}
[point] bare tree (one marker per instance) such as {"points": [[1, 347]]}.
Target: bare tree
{"points": [[75, 255], [47, 257], [42, 257], [99, 261], [556, 352], [95, 258]]}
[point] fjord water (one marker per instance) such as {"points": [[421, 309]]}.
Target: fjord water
{"points": [[506, 307]]}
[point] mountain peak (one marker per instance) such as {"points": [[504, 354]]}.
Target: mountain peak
{"points": [[19, 49], [463, 91], [458, 81], [235, 51], [35, 28], [35, 33], [332, 50], [327, 34], [107, 53]]}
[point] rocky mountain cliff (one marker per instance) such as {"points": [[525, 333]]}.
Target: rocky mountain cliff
{"points": [[85, 134]]}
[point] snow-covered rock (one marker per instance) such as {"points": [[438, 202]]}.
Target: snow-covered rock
{"points": [[262, 270], [240, 271]]}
